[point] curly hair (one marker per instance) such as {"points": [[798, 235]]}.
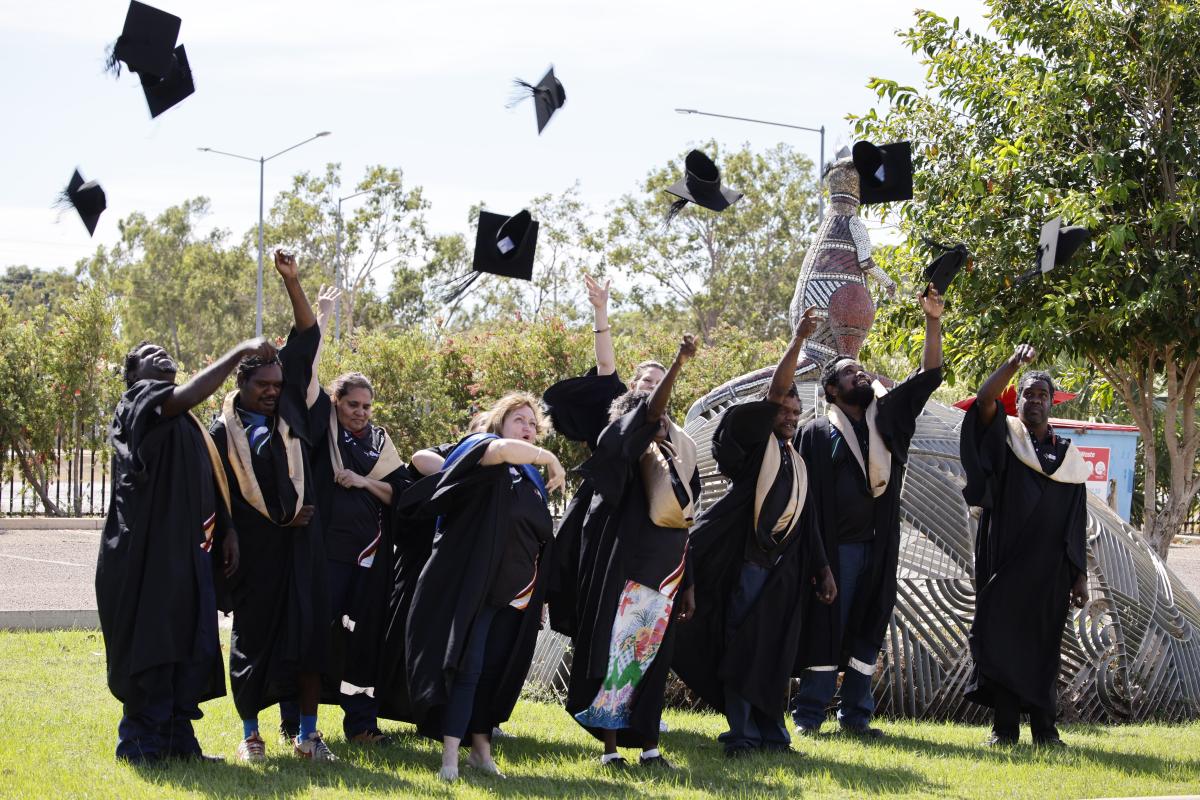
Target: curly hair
{"points": [[625, 403], [1036, 375], [510, 403], [132, 360], [250, 364], [348, 381], [829, 373]]}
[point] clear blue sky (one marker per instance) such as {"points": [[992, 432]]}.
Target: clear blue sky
{"points": [[420, 85]]}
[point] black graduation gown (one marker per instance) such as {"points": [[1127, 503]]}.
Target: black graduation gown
{"points": [[474, 502], [757, 660], [578, 407], [356, 655], [824, 642], [278, 595], [154, 581], [414, 543], [1030, 547], [624, 545]]}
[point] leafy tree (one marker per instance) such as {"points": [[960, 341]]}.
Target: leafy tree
{"points": [[1088, 109], [740, 265], [26, 288]]}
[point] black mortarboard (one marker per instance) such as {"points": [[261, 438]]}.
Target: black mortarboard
{"points": [[503, 246], [701, 185], [147, 42], [548, 96], [1056, 245], [164, 93], [884, 172], [87, 198], [941, 270]]}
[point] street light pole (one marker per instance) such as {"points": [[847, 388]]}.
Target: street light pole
{"points": [[820, 130], [262, 164], [339, 278]]}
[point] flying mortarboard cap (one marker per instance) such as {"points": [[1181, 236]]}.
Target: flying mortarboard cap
{"points": [[1057, 243], [87, 198], [548, 96], [701, 185], [164, 93], [503, 246], [885, 172], [941, 270], [147, 42]]}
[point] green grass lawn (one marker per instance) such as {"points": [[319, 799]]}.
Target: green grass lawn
{"points": [[59, 726]]}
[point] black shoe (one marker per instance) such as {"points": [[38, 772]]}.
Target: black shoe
{"points": [[779, 748], [998, 740], [617, 764], [739, 751], [805, 730], [288, 731], [864, 732], [657, 762], [1050, 743]]}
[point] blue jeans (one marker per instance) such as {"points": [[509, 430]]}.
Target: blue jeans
{"points": [[817, 685], [160, 724], [493, 635], [748, 726], [360, 711]]}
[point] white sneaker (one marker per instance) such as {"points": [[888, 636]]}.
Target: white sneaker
{"points": [[252, 749], [313, 748]]}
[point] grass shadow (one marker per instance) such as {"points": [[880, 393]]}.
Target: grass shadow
{"points": [[282, 775]]}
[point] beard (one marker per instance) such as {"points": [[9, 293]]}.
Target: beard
{"points": [[860, 396]]}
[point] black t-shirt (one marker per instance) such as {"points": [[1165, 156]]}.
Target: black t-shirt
{"points": [[1050, 451], [773, 506], [357, 517], [529, 526], [855, 505]]}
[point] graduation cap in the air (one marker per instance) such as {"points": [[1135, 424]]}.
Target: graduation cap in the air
{"points": [[1056, 244], [163, 93], [87, 198], [147, 42], [941, 270], [503, 246], [701, 185], [885, 172], [548, 96]]}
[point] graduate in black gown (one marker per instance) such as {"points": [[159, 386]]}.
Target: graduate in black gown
{"points": [[1030, 549], [578, 409], [473, 622], [647, 487], [856, 456], [757, 562], [265, 434], [155, 573]]}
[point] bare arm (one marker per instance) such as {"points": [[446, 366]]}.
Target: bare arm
{"points": [[606, 358], [785, 370], [427, 462], [301, 310], [656, 408], [326, 297], [209, 379], [989, 392], [518, 451], [352, 480], [933, 306]]}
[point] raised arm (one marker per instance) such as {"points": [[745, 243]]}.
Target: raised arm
{"points": [[989, 392], [326, 297], [656, 408], [289, 270], [606, 359], [785, 370], [209, 379], [933, 305]]}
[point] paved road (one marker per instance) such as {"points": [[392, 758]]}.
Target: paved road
{"points": [[55, 569]]}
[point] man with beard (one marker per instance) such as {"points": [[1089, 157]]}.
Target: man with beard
{"points": [[1030, 550], [154, 574], [265, 435], [856, 456], [756, 557]]}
